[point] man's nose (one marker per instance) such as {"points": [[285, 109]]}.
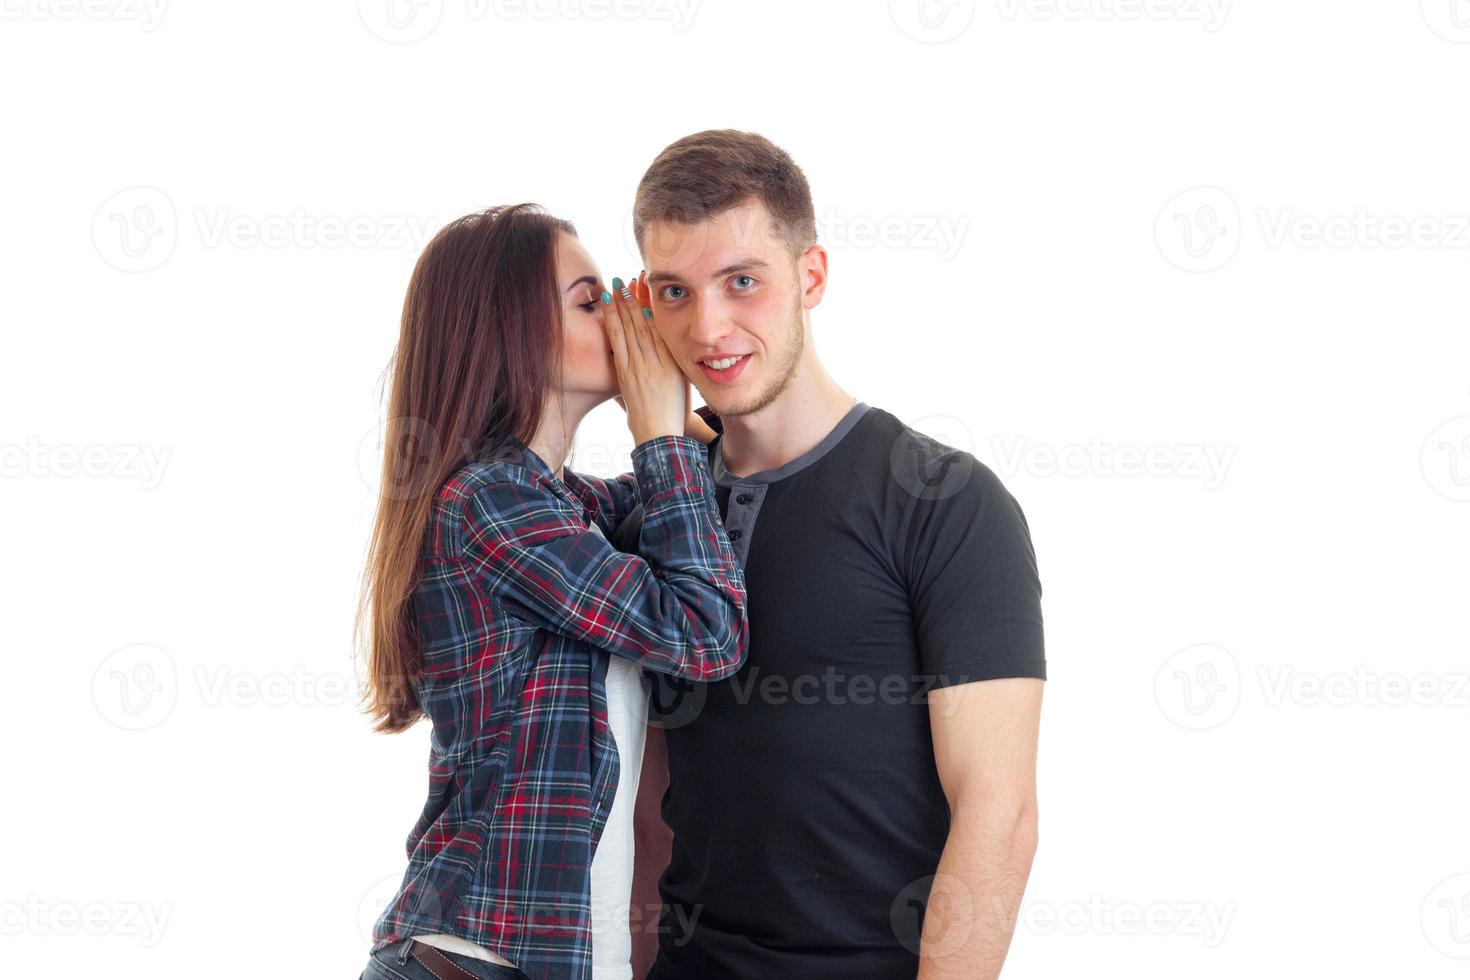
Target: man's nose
{"points": [[708, 325]]}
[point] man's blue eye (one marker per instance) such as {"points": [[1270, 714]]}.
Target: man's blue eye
{"points": [[673, 292], [743, 282]]}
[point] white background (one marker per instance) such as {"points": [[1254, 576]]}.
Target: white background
{"points": [[1229, 241]]}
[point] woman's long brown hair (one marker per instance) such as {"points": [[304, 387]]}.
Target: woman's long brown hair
{"points": [[479, 354]]}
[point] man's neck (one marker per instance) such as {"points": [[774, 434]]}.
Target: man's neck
{"points": [[799, 418]]}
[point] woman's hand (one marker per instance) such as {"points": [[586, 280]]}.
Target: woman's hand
{"points": [[654, 390]]}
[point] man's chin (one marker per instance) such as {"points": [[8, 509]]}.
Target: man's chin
{"points": [[726, 406]]}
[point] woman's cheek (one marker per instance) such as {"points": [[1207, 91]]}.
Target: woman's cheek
{"points": [[590, 343]]}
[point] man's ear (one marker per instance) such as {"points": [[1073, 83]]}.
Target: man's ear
{"points": [[811, 267]]}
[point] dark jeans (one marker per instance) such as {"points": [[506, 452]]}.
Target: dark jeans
{"points": [[392, 962]]}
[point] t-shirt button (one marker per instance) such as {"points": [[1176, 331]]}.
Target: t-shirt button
{"points": [[744, 498]]}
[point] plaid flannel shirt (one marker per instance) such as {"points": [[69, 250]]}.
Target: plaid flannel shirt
{"points": [[520, 603]]}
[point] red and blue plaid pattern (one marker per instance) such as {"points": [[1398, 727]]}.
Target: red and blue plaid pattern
{"points": [[520, 603]]}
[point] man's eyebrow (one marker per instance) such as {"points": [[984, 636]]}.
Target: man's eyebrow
{"points": [[736, 266], [589, 280]]}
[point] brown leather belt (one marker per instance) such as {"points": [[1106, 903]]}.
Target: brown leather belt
{"points": [[437, 963]]}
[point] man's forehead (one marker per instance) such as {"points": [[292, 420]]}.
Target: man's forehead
{"points": [[689, 248]]}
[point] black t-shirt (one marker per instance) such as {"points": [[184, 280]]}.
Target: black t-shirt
{"points": [[807, 812]]}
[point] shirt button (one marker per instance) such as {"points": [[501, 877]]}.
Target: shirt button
{"points": [[744, 498], [734, 533]]}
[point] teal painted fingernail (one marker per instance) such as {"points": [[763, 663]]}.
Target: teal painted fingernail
{"points": [[606, 298], [647, 313], [617, 283]]}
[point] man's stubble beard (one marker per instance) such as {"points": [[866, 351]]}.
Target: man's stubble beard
{"points": [[785, 374]]}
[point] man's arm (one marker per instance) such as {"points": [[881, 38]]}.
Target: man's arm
{"points": [[985, 735], [652, 840]]}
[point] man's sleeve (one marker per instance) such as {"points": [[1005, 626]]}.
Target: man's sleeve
{"points": [[973, 581]]}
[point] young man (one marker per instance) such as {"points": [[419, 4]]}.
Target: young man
{"points": [[859, 800]]}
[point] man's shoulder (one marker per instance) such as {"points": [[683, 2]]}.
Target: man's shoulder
{"points": [[931, 462]]}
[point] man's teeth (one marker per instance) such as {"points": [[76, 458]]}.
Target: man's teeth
{"points": [[724, 362]]}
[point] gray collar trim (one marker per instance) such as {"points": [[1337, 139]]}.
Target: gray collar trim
{"points": [[724, 478]]}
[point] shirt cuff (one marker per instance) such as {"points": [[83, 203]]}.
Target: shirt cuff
{"points": [[671, 461]]}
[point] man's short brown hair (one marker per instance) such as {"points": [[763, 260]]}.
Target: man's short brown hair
{"points": [[705, 174]]}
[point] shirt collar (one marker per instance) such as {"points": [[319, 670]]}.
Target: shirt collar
{"points": [[725, 478], [571, 485]]}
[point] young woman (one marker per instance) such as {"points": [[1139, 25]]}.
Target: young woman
{"points": [[496, 607]]}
